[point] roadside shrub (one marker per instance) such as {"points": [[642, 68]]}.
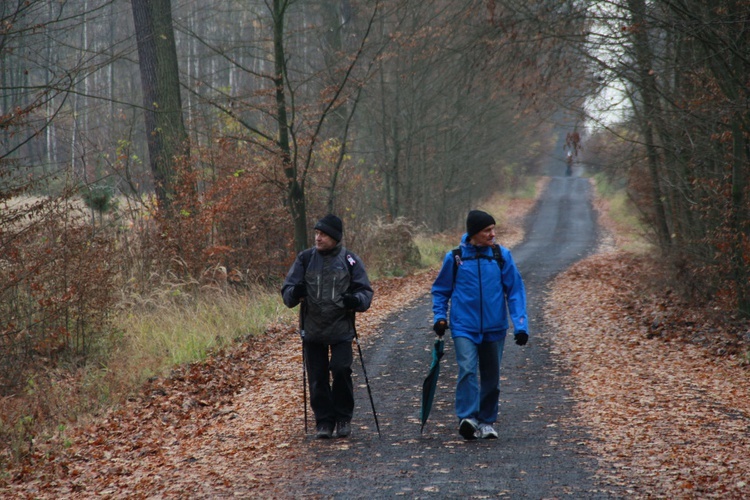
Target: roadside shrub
{"points": [[389, 248], [246, 227], [57, 288]]}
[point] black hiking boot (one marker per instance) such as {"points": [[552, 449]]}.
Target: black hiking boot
{"points": [[343, 429], [324, 431]]}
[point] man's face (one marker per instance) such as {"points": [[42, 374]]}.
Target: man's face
{"points": [[323, 242], [485, 237]]}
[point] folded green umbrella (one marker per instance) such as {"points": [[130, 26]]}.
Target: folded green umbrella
{"points": [[430, 383]]}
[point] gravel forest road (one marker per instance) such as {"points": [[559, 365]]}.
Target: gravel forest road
{"points": [[536, 456]]}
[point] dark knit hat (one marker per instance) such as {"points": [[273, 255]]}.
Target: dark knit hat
{"points": [[478, 220], [332, 226]]}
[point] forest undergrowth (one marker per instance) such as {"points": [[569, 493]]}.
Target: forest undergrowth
{"points": [[661, 383]]}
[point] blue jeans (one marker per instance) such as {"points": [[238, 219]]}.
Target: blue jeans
{"points": [[478, 386]]}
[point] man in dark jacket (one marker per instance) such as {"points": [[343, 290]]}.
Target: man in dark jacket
{"points": [[332, 284], [482, 284]]}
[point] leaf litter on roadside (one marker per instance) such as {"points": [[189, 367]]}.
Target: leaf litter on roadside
{"points": [[669, 414]]}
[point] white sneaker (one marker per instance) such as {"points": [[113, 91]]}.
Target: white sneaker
{"points": [[486, 431], [469, 428]]}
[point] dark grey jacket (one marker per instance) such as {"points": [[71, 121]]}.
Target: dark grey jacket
{"points": [[328, 277]]}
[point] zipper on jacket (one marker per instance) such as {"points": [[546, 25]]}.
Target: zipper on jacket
{"points": [[481, 299], [333, 290], [317, 278]]}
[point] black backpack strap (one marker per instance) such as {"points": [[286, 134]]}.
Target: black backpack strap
{"points": [[498, 256], [305, 256], [500, 261]]}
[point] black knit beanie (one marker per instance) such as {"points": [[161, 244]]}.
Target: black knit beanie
{"points": [[476, 221], [332, 226]]}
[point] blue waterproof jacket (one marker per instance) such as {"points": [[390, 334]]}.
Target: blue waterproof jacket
{"points": [[482, 295]]}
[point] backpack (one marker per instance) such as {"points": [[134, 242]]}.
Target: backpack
{"points": [[497, 256]]}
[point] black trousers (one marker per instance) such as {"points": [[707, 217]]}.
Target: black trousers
{"points": [[330, 380]]}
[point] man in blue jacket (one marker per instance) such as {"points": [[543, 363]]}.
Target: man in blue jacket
{"points": [[482, 284], [332, 284]]}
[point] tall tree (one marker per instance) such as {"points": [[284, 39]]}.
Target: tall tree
{"points": [[648, 105], [162, 105], [295, 189], [726, 41], [684, 65]]}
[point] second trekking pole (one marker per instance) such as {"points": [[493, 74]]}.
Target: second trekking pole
{"points": [[364, 371], [304, 358]]}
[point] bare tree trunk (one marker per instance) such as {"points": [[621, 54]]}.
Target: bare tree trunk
{"points": [[157, 54], [740, 160], [740, 125], [650, 101], [739, 216], [295, 189]]}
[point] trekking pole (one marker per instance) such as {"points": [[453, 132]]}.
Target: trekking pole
{"points": [[304, 359], [364, 370]]}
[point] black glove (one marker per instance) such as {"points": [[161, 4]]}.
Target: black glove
{"points": [[299, 291], [440, 327], [350, 301], [522, 338]]}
